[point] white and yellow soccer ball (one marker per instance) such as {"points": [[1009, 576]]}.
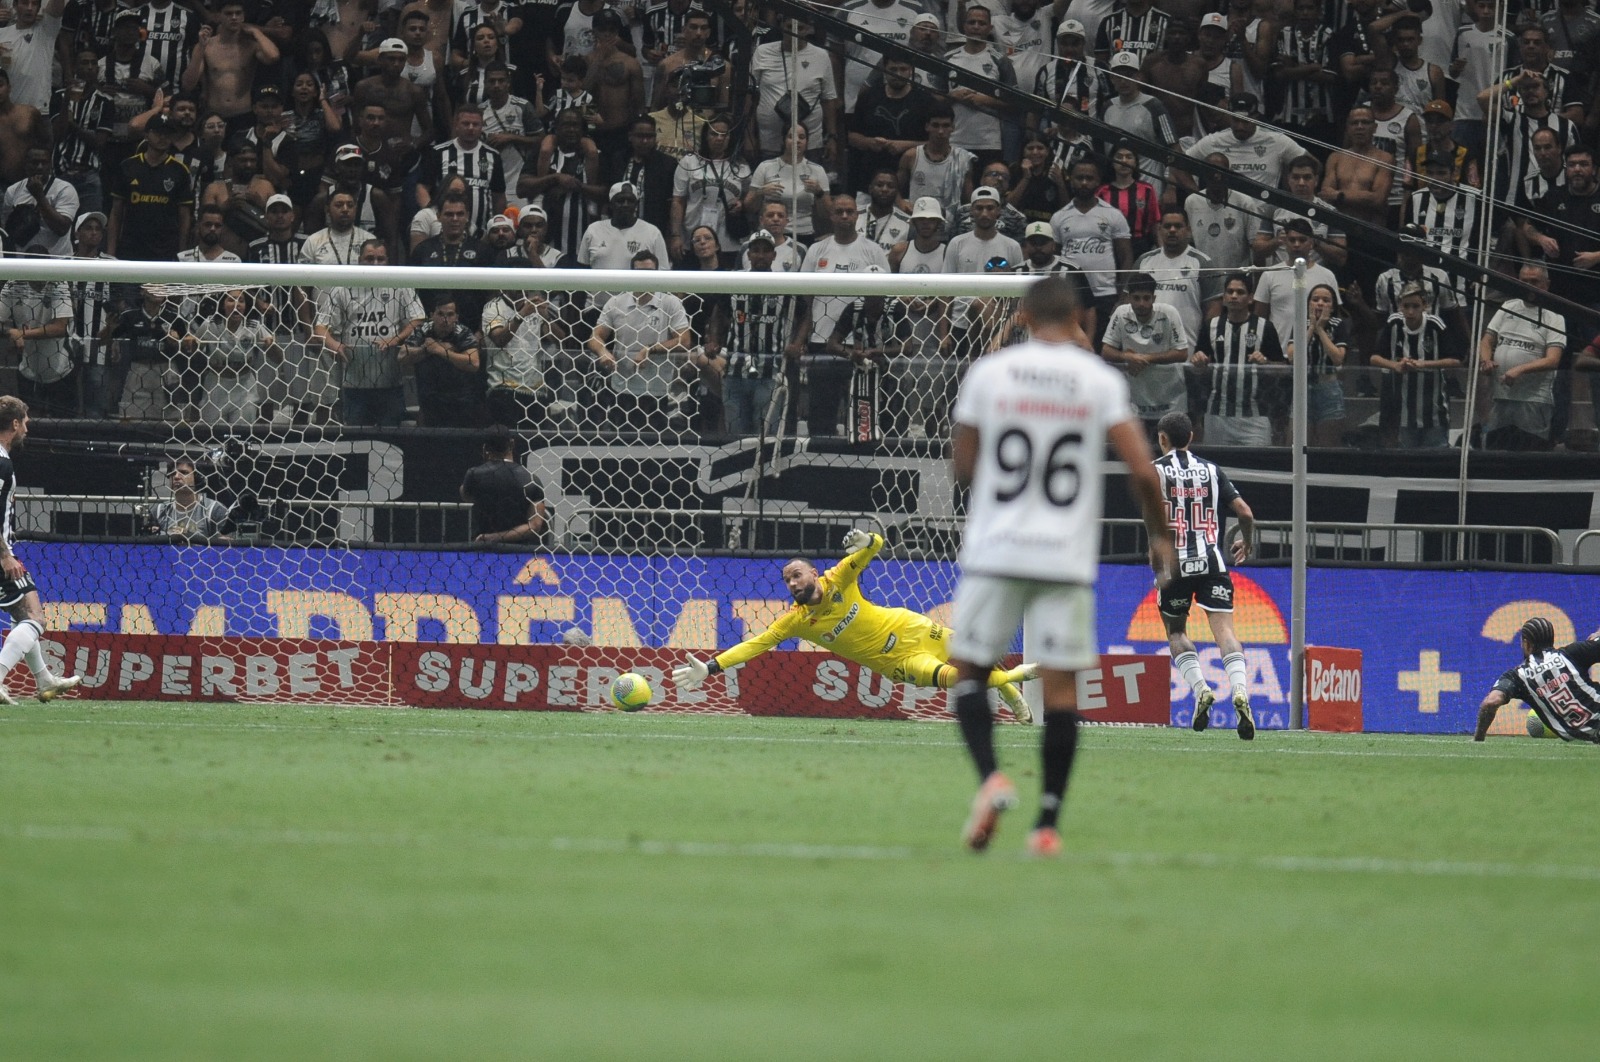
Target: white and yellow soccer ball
{"points": [[1536, 727], [630, 692]]}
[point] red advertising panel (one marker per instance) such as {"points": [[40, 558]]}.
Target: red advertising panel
{"points": [[1123, 689], [1333, 689]]}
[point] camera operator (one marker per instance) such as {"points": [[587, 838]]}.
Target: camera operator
{"points": [[190, 514], [694, 74]]}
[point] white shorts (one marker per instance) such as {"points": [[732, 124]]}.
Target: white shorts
{"points": [[1059, 617]]}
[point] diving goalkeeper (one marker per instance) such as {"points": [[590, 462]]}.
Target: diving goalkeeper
{"points": [[829, 611]]}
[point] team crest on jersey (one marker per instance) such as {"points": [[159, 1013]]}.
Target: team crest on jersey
{"points": [[167, 185], [1227, 223], [634, 245], [822, 263], [838, 598], [1261, 151], [1105, 226]]}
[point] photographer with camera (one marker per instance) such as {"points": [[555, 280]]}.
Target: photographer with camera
{"points": [[695, 73]]}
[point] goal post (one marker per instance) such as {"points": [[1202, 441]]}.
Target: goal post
{"points": [[663, 536]]}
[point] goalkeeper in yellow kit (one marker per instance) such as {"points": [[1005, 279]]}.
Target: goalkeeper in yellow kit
{"points": [[829, 611]]}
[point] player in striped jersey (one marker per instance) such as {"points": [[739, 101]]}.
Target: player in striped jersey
{"points": [[1413, 350], [1555, 683], [18, 594], [1199, 497], [1032, 425]]}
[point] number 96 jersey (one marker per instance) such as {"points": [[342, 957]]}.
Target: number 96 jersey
{"points": [[1041, 411]]}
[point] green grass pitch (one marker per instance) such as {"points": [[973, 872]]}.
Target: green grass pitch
{"points": [[224, 882]]}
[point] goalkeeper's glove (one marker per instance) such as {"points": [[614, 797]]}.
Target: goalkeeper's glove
{"points": [[690, 675], [856, 539]]}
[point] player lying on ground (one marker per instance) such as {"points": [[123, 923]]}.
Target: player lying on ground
{"points": [[1553, 682], [18, 595], [829, 611]]}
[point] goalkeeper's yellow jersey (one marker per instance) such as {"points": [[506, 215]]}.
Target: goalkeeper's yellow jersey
{"points": [[848, 624]]}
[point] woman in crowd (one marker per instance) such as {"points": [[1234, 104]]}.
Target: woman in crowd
{"points": [[793, 180]]}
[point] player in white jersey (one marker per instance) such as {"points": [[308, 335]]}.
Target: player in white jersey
{"points": [[1199, 497], [1032, 422], [18, 595]]}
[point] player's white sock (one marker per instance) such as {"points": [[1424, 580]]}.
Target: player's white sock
{"points": [[36, 663], [23, 637], [1233, 663], [1188, 665]]}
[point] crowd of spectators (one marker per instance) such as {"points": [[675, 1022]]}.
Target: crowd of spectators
{"points": [[665, 135]]}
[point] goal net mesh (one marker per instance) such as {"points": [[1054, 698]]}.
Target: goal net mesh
{"points": [[285, 469]]}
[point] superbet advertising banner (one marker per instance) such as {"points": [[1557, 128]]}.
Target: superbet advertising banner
{"points": [[1431, 642]]}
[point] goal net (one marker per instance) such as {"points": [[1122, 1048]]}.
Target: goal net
{"points": [[268, 455]]}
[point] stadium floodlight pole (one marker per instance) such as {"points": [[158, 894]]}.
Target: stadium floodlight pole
{"points": [[1299, 540], [483, 278]]}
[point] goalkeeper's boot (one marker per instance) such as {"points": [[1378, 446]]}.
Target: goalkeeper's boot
{"points": [[1202, 708], [1015, 701], [1029, 672], [54, 687], [995, 795], [5, 696], [1044, 843], [1247, 723]]}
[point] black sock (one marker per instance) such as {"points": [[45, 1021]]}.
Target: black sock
{"points": [[977, 724], [1057, 748]]}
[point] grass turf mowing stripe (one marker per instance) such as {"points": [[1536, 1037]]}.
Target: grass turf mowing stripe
{"points": [[807, 852], [1009, 736]]}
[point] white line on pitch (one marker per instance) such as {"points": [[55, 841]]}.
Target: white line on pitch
{"points": [[1427, 746], [1366, 865]]}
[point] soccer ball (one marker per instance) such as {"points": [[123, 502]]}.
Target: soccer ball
{"points": [[1536, 727], [630, 692]]}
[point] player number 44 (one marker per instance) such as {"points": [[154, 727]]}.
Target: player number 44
{"points": [[1060, 479]]}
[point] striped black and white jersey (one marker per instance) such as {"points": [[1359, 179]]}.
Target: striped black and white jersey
{"points": [[94, 313], [1123, 31], [1555, 683], [570, 213], [1418, 397], [1437, 287], [170, 34], [1530, 196], [1238, 387], [483, 171], [1199, 497], [1559, 83], [283, 316], [8, 498], [1516, 146], [1451, 224], [760, 325], [1305, 100], [75, 151]]}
